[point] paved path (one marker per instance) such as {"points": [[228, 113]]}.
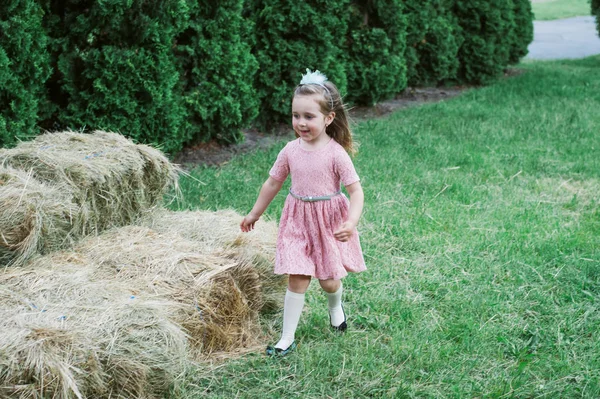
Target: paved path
{"points": [[564, 38]]}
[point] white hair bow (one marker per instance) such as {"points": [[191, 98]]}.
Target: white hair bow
{"points": [[315, 77]]}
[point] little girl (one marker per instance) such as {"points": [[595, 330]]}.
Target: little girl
{"points": [[317, 231]]}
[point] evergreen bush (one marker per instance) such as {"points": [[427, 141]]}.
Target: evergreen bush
{"points": [[167, 72], [486, 28], [522, 34], [117, 68], [432, 42], [217, 70], [290, 36], [24, 69], [376, 67], [596, 12]]}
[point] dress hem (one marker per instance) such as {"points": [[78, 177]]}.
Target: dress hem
{"points": [[347, 272]]}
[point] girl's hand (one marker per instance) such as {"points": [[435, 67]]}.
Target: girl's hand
{"points": [[345, 231], [248, 223], [268, 191]]}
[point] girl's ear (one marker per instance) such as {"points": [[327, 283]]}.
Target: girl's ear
{"points": [[329, 118]]}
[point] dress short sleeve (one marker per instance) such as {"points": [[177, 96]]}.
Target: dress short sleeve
{"points": [[281, 167], [345, 168]]}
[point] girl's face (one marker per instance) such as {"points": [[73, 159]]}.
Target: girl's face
{"points": [[308, 120]]}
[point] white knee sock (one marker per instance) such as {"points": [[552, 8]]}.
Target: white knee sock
{"points": [[292, 309], [335, 307]]}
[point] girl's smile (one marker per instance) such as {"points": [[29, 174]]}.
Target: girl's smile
{"points": [[308, 120]]}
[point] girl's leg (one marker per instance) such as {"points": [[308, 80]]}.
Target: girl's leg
{"points": [[298, 283], [292, 308], [333, 288]]}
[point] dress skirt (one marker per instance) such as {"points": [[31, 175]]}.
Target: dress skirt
{"points": [[306, 245]]}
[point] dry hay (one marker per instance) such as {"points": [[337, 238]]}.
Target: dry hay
{"points": [[65, 335], [120, 314], [221, 295], [219, 232], [112, 179], [34, 217]]}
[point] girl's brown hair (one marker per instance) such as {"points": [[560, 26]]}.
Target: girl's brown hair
{"points": [[331, 101]]}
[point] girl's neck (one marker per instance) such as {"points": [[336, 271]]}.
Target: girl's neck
{"points": [[314, 145]]}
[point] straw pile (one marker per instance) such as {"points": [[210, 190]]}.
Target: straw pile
{"points": [[112, 179], [218, 232], [65, 335], [118, 314], [72, 185], [222, 295], [121, 313], [34, 217]]}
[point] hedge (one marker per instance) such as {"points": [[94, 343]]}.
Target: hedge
{"points": [[290, 36], [596, 12], [522, 33], [117, 68], [432, 42], [217, 70], [24, 69], [376, 67], [175, 71], [485, 26]]}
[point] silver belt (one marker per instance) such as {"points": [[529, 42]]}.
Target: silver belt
{"points": [[311, 198]]}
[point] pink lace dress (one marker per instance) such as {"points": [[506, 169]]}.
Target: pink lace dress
{"points": [[305, 244]]}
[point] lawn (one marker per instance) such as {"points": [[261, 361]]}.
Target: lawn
{"points": [[546, 10], [481, 232]]}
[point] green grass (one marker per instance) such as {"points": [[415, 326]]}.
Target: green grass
{"points": [[481, 233], [559, 9]]}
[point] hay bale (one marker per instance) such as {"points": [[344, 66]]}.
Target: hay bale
{"points": [[65, 335], [120, 315], [112, 179], [34, 217], [219, 233], [219, 294]]}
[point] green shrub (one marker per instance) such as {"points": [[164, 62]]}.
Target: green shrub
{"points": [[485, 26], [217, 70], [522, 34], [24, 69], [596, 12], [432, 42], [290, 36], [376, 67], [117, 68]]}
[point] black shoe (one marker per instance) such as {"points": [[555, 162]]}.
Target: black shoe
{"points": [[342, 327], [272, 351]]}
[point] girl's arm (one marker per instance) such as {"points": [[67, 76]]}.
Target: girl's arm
{"points": [[357, 200], [269, 190]]}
